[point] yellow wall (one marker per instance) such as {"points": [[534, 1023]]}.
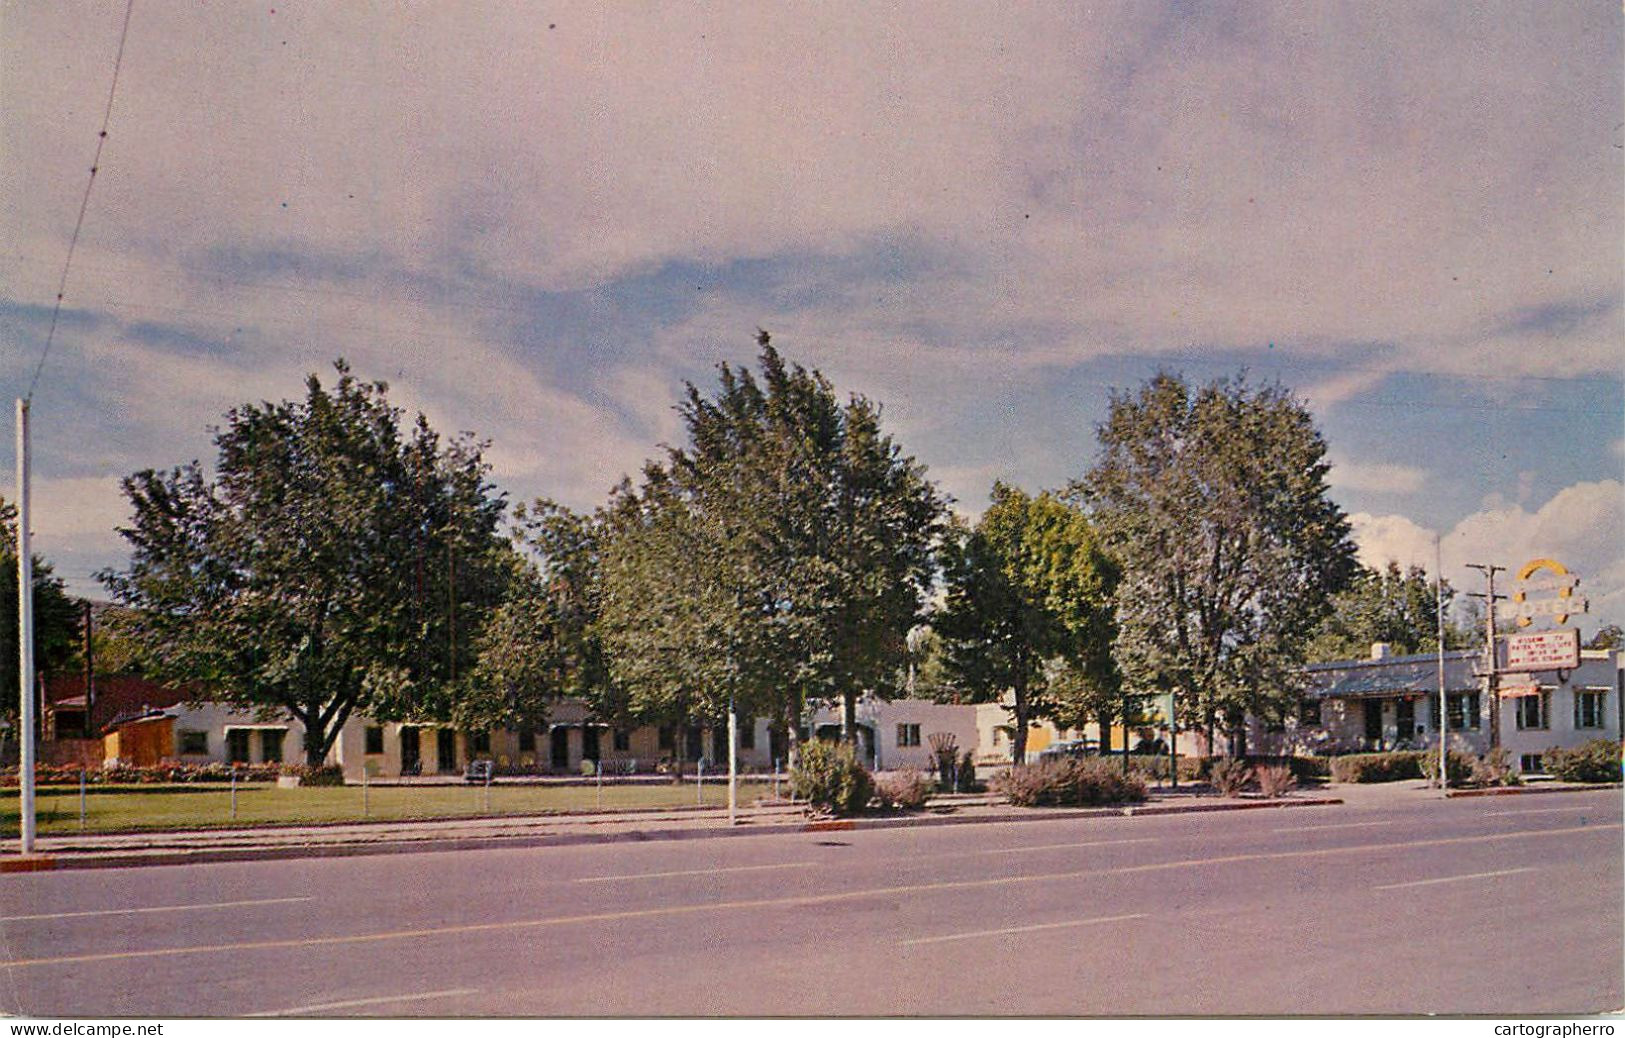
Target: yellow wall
{"points": [[142, 743]]}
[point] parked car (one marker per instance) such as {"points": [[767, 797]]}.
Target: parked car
{"points": [[1068, 748], [478, 771]]}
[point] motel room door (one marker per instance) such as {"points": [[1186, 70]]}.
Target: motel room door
{"points": [[411, 752], [1373, 723]]}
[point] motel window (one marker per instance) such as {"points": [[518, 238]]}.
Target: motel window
{"points": [[1534, 712], [527, 740], [271, 740], [621, 740], [908, 735], [1309, 712], [193, 743], [375, 739], [668, 737], [1463, 710], [237, 745], [479, 742], [1588, 703], [1531, 764], [747, 733]]}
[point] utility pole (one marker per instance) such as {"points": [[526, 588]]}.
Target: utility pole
{"points": [[1492, 676], [25, 636]]}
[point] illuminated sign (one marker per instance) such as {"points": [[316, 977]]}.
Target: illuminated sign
{"points": [[1544, 650], [1561, 581]]}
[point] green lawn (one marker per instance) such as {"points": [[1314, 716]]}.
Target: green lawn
{"points": [[114, 808]]}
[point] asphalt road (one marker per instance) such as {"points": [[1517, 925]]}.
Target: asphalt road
{"points": [[1500, 905]]}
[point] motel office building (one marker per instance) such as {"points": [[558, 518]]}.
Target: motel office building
{"points": [[1390, 702]]}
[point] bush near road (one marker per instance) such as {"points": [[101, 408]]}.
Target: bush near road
{"points": [[1070, 782], [1594, 761]]}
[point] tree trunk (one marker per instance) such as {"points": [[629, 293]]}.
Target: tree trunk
{"points": [[315, 747], [1018, 739], [849, 718]]}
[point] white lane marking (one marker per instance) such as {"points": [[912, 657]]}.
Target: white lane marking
{"points": [[1056, 847], [1539, 811], [1453, 879], [806, 900], [322, 1007], [1022, 929], [694, 872], [158, 908], [1339, 825]]}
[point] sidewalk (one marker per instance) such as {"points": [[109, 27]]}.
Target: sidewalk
{"points": [[124, 850]]}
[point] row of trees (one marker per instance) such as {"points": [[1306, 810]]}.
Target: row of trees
{"points": [[340, 560]]}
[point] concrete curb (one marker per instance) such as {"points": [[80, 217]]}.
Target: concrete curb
{"points": [[1516, 791], [431, 844]]}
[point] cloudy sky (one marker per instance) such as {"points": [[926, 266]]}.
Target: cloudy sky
{"points": [[536, 220]]}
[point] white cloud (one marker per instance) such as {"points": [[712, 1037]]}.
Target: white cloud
{"points": [[1582, 526]]}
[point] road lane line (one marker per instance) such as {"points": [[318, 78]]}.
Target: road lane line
{"points": [[1453, 879], [1339, 825], [322, 1007], [158, 908], [1021, 929], [695, 872], [1055, 847], [1539, 811], [775, 902]]}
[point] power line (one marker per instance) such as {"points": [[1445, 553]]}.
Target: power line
{"points": [[84, 202]]}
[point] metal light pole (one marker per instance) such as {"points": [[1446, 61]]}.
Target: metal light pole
{"points": [[1444, 727], [25, 635], [733, 763]]}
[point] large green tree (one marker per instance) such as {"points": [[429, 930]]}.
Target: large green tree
{"points": [[335, 562], [1027, 600], [781, 555], [56, 616], [1213, 500], [1387, 605], [540, 644]]}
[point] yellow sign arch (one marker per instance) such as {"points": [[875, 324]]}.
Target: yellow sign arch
{"points": [[1534, 566]]}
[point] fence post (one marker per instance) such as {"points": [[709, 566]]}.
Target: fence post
{"points": [[600, 770], [775, 778], [234, 791], [81, 799], [366, 807], [699, 781], [488, 773]]}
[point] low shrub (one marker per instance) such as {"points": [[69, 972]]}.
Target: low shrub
{"points": [[1069, 782], [1229, 776], [1459, 768], [1378, 767], [828, 776], [1494, 769], [1276, 780], [1595, 761], [907, 790], [172, 773], [322, 775]]}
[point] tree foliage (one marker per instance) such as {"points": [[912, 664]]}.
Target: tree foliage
{"points": [[334, 563], [56, 615], [781, 555], [1386, 605], [540, 644], [1214, 502], [1028, 599]]}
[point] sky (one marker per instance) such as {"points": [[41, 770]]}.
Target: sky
{"points": [[537, 220]]}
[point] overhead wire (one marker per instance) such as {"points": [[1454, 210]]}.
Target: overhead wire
{"points": [[84, 202]]}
